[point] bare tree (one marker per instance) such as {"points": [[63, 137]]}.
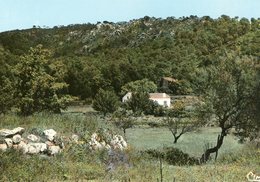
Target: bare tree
{"points": [[123, 119], [180, 126], [181, 120]]}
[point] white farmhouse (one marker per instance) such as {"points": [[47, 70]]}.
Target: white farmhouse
{"points": [[161, 98]]}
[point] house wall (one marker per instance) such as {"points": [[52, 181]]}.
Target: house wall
{"points": [[162, 101], [127, 97]]}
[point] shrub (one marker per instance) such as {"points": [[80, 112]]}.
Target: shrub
{"points": [[173, 156]]}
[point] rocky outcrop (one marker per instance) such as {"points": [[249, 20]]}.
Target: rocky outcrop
{"points": [[48, 143], [116, 142]]}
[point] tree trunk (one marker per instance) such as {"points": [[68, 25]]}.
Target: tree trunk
{"points": [[124, 130], [176, 138], [205, 157]]}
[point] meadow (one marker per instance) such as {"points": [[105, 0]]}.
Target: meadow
{"points": [[193, 143], [77, 163]]}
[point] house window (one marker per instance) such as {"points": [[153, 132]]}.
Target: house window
{"points": [[165, 103]]}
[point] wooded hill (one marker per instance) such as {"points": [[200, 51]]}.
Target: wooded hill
{"points": [[108, 55]]}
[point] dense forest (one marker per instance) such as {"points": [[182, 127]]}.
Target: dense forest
{"points": [[109, 55]]}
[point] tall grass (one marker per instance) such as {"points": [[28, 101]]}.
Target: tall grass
{"points": [[64, 124]]}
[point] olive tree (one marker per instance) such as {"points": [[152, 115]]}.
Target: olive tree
{"points": [[229, 95]]}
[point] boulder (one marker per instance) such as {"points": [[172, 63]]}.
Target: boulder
{"points": [[50, 134], [10, 133], [3, 146], [118, 142], [36, 148], [52, 150], [75, 138], [17, 139], [22, 146], [32, 150], [33, 138], [9, 142]]}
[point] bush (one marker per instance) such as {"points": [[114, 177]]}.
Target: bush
{"points": [[106, 101], [173, 156]]}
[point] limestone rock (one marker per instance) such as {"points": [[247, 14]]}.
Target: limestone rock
{"points": [[75, 138], [22, 146], [33, 138], [118, 142], [36, 148], [50, 134], [32, 150], [10, 133], [52, 150], [94, 142], [17, 138], [9, 142], [3, 147]]}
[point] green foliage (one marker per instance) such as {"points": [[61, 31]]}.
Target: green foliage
{"points": [[6, 95], [173, 156], [229, 96], [123, 119], [144, 86], [105, 101], [39, 83], [6, 86], [180, 120], [231, 90], [107, 54], [139, 103]]}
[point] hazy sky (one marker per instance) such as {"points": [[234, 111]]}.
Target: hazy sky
{"points": [[20, 14]]}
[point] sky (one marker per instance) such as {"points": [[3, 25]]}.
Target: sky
{"points": [[22, 14]]}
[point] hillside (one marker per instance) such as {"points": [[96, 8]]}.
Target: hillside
{"points": [[109, 55]]}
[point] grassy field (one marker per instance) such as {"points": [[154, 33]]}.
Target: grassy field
{"points": [[192, 143], [77, 163]]}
